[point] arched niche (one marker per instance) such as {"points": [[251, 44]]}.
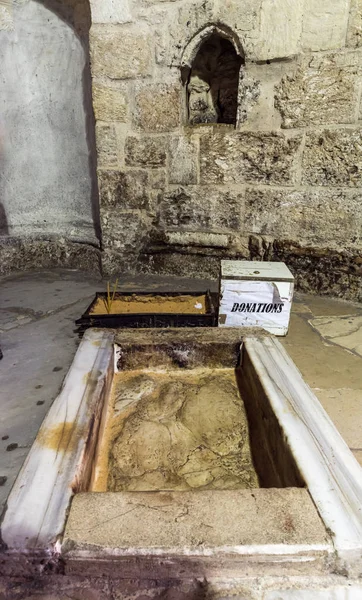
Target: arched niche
{"points": [[211, 71]]}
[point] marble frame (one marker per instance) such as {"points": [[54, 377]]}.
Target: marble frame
{"points": [[39, 502]]}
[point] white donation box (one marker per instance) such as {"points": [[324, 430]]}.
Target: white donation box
{"points": [[256, 294]]}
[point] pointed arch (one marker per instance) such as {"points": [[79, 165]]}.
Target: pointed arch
{"points": [[192, 48], [210, 70]]}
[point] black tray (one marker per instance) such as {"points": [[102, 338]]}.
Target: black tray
{"points": [[150, 320]]}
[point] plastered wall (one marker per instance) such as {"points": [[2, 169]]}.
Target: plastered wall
{"points": [[48, 188]]}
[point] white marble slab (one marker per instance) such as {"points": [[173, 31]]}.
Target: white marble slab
{"points": [[332, 474], [60, 460]]}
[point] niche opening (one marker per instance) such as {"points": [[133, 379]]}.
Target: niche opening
{"points": [[212, 85]]}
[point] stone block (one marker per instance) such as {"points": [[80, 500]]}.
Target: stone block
{"points": [[319, 217], [256, 94], [158, 107], [114, 263], [258, 157], [238, 19], [110, 11], [182, 25], [121, 230], [21, 254], [322, 91], [109, 104], [354, 32], [325, 24], [157, 178], [191, 21], [146, 151], [106, 145], [183, 160], [6, 17], [123, 189], [333, 157], [248, 99], [192, 17], [201, 208], [281, 28], [197, 238], [120, 54]]}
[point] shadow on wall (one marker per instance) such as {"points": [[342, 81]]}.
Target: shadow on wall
{"points": [[4, 229], [76, 14]]}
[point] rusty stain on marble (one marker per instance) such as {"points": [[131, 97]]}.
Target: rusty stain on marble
{"points": [[86, 377], [62, 437]]}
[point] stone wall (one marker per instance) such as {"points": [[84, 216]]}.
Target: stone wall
{"points": [[48, 183], [285, 184], [50, 586]]}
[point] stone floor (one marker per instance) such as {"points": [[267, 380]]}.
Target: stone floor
{"points": [[38, 339], [325, 342]]}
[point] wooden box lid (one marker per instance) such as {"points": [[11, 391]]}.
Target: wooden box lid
{"points": [[255, 270]]}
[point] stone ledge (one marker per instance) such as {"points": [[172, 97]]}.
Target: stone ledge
{"points": [[29, 253], [322, 271], [196, 238], [208, 532], [316, 270]]}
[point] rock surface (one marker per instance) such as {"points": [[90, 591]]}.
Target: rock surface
{"points": [[179, 432], [183, 160]]}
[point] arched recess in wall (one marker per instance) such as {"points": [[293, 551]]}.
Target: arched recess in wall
{"points": [[211, 68], [48, 183]]}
